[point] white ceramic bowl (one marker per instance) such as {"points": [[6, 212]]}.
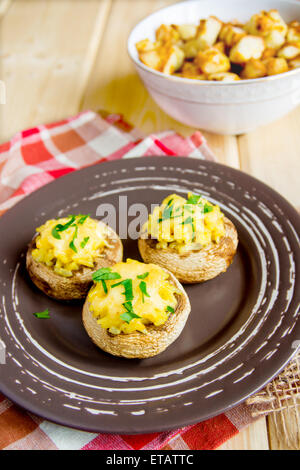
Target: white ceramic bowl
{"points": [[224, 108]]}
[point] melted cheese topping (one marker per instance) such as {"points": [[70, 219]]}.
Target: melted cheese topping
{"points": [[88, 239], [107, 303], [185, 224]]}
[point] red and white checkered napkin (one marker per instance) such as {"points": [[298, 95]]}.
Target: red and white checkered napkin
{"points": [[37, 156]]}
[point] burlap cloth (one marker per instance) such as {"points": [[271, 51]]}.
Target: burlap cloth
{"points": [[281, 397]]}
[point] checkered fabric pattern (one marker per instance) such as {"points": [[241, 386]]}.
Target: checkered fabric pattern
{"points": [[40, 155]]}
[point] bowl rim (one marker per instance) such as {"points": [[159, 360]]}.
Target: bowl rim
{"points": [[193, 81]]}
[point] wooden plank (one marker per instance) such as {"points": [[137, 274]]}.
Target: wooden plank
{"points": [[254, 437], [284, 429], [115, 86], [272, 154], [45, 66]]}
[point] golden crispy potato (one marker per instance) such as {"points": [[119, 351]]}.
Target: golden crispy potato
{"points": [[276, 65], [137, 344], [146, 45], [208, 31], [172, 59], [190, 70], [295, 63], [293, 33], [151, 58], [289, 51], [186, 31], [191, 49], [270, 26], [167, 34], [223, 77], [231, 34], [268, 52], [248, 47], [220, 46], [254, 68], [212, 61]]}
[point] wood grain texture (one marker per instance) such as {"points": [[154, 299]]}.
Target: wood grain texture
{"points": [[254, 437], [62, 56], [46, 52]]}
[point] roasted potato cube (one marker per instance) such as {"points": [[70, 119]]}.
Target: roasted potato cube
{"points": [[151, 58], [220, 46], [146, 45], [186, 31], [268, 52], [167, 34], [172, 59], [190, 70], [212, 61], [208, 31], [231, 34], [191, 48], [270, 26], [293, 33], [276, 65], [248, 47], [295, 63], [254, 68], [223, 77], [289, 51]]}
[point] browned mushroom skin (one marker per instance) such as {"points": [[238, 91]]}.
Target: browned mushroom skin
{"points": [[137, 344], [77, 286], [195, 266]]}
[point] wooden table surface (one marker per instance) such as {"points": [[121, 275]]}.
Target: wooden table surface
{"points": [[62, 56]]}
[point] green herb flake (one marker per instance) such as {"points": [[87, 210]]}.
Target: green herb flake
{"points": [[143, 276], [187, 221], [170, 309], [62, 227], [208, 208], [55, 233], [105, 274], [129, 314], [143, 289], [193, 199], [82, 218], [84, 242], [104, 286], [43, 315], [128, 291], [72, 244]]}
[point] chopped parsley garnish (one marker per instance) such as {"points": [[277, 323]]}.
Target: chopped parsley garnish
{"points": [[143, 289], [129, 314], [143, 276], [71, 244], [187, 221], [82, 218], [193, 199], [104, 286], [170, 309], [43, 315], [105, 274], [62, 227], [128, 292], [208, 208], [166, 214], [78, 219], [84, 242]]}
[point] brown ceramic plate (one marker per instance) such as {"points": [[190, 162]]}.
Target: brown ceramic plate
{"points": [[243, 328]]}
